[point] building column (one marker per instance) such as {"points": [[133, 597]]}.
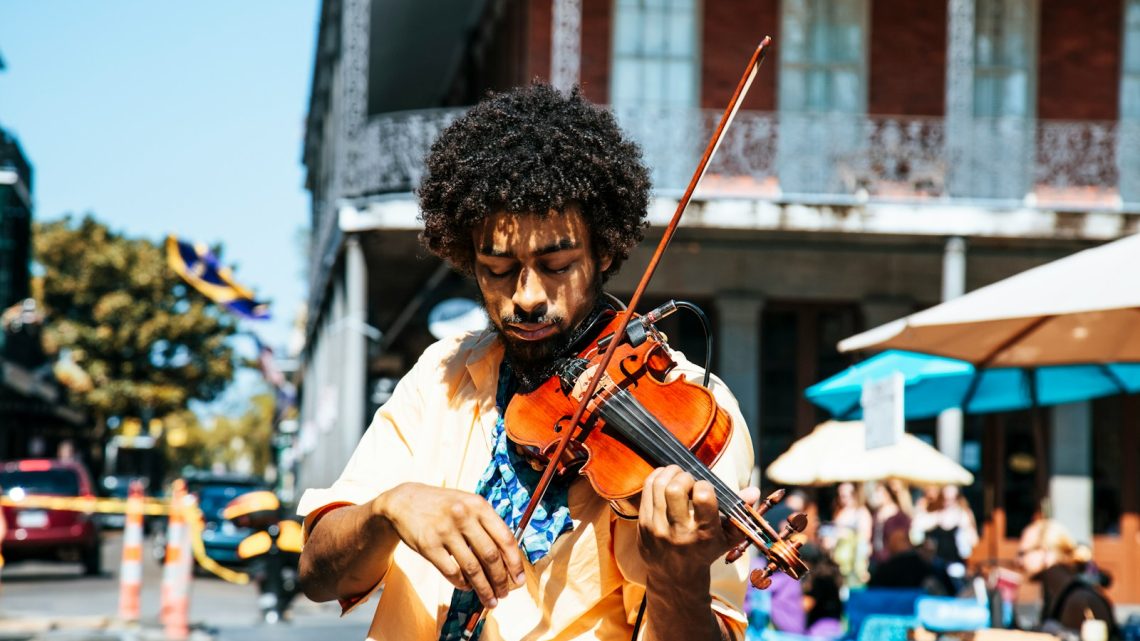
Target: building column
{"points": [[953, 286], [566, 44], [738, 352], [959, 93], [1070, 480], [354, 345]]}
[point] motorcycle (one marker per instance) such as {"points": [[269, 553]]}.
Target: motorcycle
{"points": [[272, 551]]}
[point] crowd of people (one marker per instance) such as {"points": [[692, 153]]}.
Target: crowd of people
{"points": [[886, 535]]}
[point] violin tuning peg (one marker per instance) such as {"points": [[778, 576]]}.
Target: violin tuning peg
{"points": [[760, 579], [798, 521], [736, 552], [769, 501]]}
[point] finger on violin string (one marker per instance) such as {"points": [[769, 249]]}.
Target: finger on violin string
{"points": [[706, 511], [677, 494], [472, 570], [645, 514]]}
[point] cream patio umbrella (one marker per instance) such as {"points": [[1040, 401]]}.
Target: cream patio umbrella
{"points": [[835, 452], [1084, 308]]}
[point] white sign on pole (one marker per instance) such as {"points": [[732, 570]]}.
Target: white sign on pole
{"points": [[883, 416]]}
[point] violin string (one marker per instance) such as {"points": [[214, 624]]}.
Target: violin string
{"points": [[682, 456], [642, 428], [669, 449], [646, 429], [663, 445]]}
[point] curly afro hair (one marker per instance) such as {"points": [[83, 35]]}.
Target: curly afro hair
{"points": [[532, 150]]}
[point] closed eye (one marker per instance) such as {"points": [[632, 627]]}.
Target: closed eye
{"points": [[497, 266], [557, 270]]}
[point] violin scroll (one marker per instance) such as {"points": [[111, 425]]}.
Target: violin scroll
{"points": [[783, 554], [781, 550]]}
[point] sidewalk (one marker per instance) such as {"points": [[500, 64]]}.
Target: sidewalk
{"points": [[307, 620]]}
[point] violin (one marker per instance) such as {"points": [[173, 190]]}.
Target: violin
{"points": [[637, 420]]}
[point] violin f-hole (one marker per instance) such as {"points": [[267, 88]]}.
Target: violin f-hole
{"points": [[558, 425], [623, 365]]}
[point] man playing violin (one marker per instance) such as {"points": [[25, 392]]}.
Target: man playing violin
{"points": [[540, 198]]}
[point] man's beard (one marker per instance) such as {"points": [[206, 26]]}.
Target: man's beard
{"points": [[533, 362]]}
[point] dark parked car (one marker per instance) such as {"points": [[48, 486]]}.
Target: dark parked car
{"points": [[221, 537], [39, 533]]}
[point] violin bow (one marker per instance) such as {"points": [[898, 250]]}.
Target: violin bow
{"points": [[734, 104]]}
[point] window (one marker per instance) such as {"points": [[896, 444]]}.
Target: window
{"points": [[1004, 51], [1003, 141], [823, 61], [1130, 73], [823, 93], [655, 54], [1128, 156]]}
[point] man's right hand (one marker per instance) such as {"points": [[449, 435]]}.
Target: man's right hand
{"points": [[459, 534]]}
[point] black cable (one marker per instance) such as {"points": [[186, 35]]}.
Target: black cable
{"points": [[708, 336]]}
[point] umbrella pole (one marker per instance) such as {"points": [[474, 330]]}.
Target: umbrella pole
{"points": [[1040, 451]]}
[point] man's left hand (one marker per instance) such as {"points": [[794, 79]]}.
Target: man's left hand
{"points": [[680, 532]]}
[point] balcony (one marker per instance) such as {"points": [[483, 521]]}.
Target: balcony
{"points": [[832, 159]]}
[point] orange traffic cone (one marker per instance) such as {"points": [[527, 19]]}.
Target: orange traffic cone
{"points": [[130, 572], [175, 615]]}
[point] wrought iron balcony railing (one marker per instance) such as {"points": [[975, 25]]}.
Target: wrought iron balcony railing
{"points": [[832, 158]]}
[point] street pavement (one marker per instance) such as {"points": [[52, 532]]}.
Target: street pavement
{"points": [[40, 600]]}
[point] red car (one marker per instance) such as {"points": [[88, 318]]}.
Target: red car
{"points": [[37, 533]]}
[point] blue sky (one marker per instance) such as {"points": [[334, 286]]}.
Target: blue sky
{"points": [[164, 117]]}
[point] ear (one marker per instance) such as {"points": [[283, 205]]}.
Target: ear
{"points": [[604, 263]]}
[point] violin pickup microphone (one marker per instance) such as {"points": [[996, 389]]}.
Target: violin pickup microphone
{"points": [[640, 328], [661, 312]]}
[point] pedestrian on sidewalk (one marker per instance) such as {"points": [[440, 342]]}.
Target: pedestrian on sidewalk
{"points": [[1048, 554], [851, 543]]}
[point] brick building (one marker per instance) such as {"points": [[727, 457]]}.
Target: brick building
{"points": [[890, 154]]}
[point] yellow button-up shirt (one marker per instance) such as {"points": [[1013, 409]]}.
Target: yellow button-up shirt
{"points": [[436, 429]]}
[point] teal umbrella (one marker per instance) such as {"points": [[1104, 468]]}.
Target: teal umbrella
{"points": [[935, 383]]}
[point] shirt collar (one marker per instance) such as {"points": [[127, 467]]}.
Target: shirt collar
{"points": [[483, 363]]}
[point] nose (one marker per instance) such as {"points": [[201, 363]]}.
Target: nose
{"points": [[530, 296]]}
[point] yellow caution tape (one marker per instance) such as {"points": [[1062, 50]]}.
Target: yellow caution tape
{"points": [[157, 507], [88, 504], [196, 525]]}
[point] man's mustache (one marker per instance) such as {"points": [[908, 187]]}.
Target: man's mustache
{"points": [[534, 318]]}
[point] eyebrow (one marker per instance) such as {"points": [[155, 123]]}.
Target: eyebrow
{"points": [[560, 245]]}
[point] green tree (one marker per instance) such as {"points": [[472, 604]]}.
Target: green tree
{"points": [[149, 343], [239, 443]]}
